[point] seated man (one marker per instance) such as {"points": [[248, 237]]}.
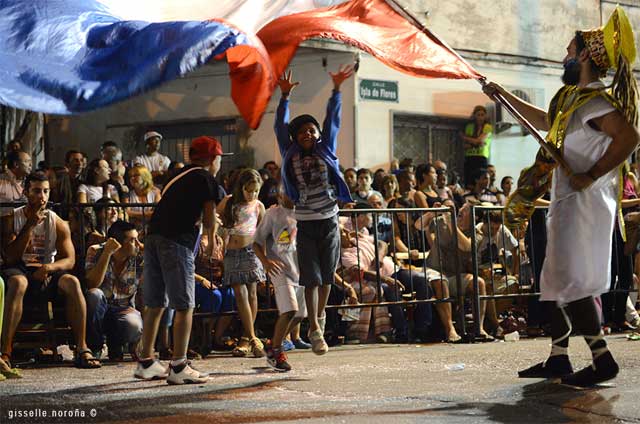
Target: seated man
{"points": [[113, 274], [38, 253], [363, 189], [480, 191], [412, 241], [384, 225], [444, 252]]}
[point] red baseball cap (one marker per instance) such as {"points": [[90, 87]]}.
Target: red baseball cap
{"points": [[205, 147]]}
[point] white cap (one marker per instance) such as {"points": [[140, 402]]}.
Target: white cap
{"points": [[152, 134]]}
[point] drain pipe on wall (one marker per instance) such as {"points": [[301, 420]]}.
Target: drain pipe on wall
{"points": [[356, 96]]}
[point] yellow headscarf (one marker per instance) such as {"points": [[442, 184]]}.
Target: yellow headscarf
{"points": [[613, 46]]}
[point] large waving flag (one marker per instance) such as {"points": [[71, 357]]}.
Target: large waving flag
{"points": [[70, 56], [378, 27]]}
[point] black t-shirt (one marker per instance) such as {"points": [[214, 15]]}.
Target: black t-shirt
{"points": [[181, 206]]}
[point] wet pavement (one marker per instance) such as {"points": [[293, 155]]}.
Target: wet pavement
{"points": [[355, 384]]}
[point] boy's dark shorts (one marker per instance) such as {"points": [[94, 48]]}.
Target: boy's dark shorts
{"points": [[318, 244]]}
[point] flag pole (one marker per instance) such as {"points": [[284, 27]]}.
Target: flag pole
{"points": [[497, 97]]}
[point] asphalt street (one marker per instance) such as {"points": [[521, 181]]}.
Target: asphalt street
{"points": [[351, 384]]}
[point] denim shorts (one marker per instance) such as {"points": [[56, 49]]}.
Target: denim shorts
{"points": [[169, 274], [242, 266]]}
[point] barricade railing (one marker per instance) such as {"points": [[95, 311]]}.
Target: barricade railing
{"points": [[413, 239], [409, 233], [403, 227], [508, 271]]}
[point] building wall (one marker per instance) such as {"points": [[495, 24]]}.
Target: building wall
{"points": [[518, 43], [204, 95], [536, 28], [446, 98]]}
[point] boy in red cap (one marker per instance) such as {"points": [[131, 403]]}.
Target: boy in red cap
{"points": [[187, 199]]}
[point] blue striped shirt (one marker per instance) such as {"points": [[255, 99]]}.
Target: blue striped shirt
{"points": [[317, 196]]}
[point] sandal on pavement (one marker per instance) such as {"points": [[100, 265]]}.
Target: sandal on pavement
{"points": [[486, 337], [257, 348], [86, 360], [6, 358], [7, 373], [12, 373], [455, 339], [242, 349]]}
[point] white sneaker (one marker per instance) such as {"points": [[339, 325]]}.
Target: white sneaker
{"points": [[200, 373], [187, 376], [318, 345], [155, 371]]}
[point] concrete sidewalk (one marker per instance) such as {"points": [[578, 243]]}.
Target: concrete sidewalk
{"points": [[354, 384]]}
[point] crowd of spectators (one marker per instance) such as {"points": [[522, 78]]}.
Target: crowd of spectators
{"points": [[90, 256]]}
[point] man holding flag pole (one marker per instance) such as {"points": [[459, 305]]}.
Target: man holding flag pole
{"points": [[591, 128]]}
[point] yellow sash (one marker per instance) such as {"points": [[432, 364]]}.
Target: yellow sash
{"points": [[535, 180]]}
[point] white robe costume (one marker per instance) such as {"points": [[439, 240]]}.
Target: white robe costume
{"points": [[580, 224]]}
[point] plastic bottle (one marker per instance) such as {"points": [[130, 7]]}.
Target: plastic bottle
{"points": [[512, 337], [455, 367], [65, 352]]}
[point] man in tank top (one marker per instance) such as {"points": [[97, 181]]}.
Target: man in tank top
{"points": [[38, 256]]}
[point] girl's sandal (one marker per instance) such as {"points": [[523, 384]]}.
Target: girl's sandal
{"points": [[6, 371], [86, 360], [242, 349], [6, 358], [257, 348], [11, 373]]}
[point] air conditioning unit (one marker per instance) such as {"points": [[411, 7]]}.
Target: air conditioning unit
{"points": [[504, 120]]}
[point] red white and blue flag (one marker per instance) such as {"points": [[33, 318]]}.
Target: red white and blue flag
{"points": [[71, 56]]}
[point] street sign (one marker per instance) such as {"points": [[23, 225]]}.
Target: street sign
{"points": [[385, 91]]}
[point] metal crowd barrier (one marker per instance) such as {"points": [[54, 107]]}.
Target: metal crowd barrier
{"points": [[79, 208], [499, 268], [493, 270], [423, 251]]}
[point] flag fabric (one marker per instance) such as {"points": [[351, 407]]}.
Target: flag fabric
{"points": [[72, 56], [373, 26], [247, 15]]}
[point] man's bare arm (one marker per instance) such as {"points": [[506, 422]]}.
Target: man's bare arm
{"points": [[66, 257], [536, 116], [624, 137], [16, 243]]}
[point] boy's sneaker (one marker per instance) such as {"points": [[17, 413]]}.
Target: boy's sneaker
{"points": [[277, 360], [287, 345], [155, 371], [301, 344], [184, 374], [318, 345], [200, 373]]}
